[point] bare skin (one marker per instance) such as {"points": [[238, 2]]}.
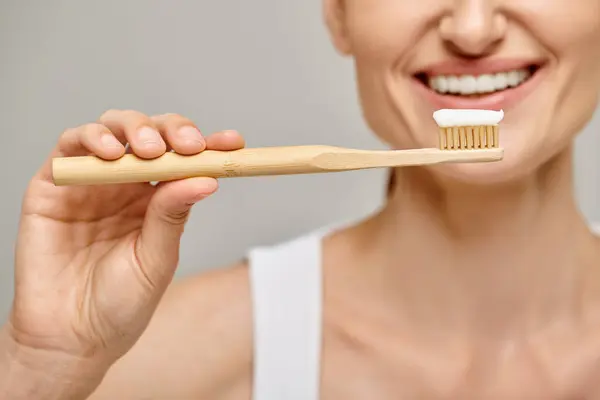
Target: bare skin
{"points": [[472, 282]]}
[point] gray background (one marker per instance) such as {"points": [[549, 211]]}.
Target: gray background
{"points": [[263, 67]]}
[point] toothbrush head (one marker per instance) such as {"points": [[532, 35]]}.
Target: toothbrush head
{"points": [[468, 129]]}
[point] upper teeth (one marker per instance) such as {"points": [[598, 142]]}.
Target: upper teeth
{"points": [[470, 84]]}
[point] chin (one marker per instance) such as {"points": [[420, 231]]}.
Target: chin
{"points": [[523, 157], [513, 168]]}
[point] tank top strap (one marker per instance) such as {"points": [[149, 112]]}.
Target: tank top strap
{"points": [[286, 285]]}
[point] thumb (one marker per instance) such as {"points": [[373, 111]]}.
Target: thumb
{"points": [[157, 247]]}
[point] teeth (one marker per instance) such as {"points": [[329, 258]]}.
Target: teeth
{"points": [[513, 78], [442, 85], [469, 84], [485, 84], [500, 81], [453, 84]]}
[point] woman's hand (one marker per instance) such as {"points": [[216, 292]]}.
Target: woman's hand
{"points": [[93, 262]]}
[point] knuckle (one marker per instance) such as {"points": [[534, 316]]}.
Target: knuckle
{"points": [[131, 114], [134, 116], [173, 120], [126, 117], [168, 116], [108, 113], [72, 137], [93, 129], [174, 217], [69, 132], [74, 134]]}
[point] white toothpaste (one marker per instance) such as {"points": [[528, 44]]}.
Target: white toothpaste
{"points": [[446, 118]]}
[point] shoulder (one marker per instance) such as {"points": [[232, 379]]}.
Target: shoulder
{"points": [[199, 342]]}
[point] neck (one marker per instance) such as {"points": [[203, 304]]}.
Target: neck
{"points": [[488, 260]]}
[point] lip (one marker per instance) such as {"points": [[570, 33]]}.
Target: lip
{"points": [[497, 101]]}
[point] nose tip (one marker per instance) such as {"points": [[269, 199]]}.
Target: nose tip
{"points": [[473, 29]]}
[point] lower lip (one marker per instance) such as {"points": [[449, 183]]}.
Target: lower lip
{"points": [[502, 100]]}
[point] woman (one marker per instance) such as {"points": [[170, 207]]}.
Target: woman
{"points": [[472, 282]]}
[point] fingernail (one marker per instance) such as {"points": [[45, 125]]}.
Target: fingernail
{"points": [[149, 136], [109, 140], [189, 133]]}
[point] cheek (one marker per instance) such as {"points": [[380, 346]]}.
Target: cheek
{"points": [[570, 30], [560, 24], [382, 35], [382, 31]]}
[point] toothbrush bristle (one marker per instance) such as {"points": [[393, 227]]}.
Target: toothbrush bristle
{"points": [[469, 137]]}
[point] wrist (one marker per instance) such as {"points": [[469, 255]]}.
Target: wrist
{"points": [[27, 373]]}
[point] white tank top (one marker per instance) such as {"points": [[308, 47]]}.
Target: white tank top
{"points": [[286, 285], [286, 290]]}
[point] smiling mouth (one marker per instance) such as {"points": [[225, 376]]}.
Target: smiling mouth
{"points": [[477, 86], [497, 84]]}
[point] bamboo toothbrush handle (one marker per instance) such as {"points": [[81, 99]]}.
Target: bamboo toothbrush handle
{"points": [[90, 170]]}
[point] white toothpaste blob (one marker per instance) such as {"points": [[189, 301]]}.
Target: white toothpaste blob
{"points": [[446, 118]]}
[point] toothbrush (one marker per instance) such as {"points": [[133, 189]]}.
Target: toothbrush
{"points": [[465, 136]]}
